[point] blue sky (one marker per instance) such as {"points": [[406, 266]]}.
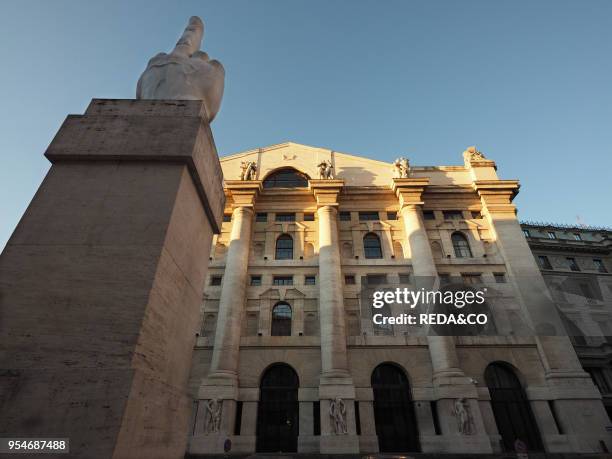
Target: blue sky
{"points": [[528, 82]]}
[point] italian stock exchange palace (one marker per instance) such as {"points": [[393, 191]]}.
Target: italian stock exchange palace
{"points": [[288, 358]]}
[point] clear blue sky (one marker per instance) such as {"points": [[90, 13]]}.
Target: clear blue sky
{"points": [[528, 82]]}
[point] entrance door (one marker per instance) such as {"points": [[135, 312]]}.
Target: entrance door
{"points": [[511, 408], [396, 425], [277, 413]]}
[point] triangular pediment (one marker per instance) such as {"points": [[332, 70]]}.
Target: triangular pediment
{"points": [[354, 170]]}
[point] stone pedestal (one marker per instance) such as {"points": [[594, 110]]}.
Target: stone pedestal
{"points": [[101, 282]]}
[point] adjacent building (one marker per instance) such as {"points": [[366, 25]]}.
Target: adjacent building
{"points": [[576, 264], [289, 359]]}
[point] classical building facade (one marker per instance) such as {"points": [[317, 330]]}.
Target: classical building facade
{"points": [[576, 264], [288, 358]]}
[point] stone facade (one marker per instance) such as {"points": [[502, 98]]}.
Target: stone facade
{"points": [[576, 264], [284, 284]]}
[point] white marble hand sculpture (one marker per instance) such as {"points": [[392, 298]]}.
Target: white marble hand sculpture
{"points": [[186, 73]]}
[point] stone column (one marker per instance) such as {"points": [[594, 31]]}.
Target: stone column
{"points": [[101, 282], [335, 378], [222, 380], [449, 380]]}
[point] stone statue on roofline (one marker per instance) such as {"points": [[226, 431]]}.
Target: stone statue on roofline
{"points": [[186, 73], [401, 168], [472, 154], [249, 168], [326, 170]]}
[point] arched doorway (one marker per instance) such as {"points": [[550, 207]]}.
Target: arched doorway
{"points": [[277, 412], [511, 409], [396, 425]]}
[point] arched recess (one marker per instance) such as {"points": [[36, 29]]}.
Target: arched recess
{"points": [[398, 250], [278, 410], [347, 250], [511, 408], [436, 250], [394, 415], [308, 250], [287, 177]]}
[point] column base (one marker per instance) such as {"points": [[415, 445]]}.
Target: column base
{"points": [[339, 444], [460, 444], [215, 444]]}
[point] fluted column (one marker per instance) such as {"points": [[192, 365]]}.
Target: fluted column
{"points": [[409, 191]]}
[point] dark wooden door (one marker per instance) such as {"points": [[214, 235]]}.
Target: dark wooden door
{"points": [[396, 425], [277, 414]]}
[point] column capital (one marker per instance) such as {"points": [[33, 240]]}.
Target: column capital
{"points": [[409, 190], [326, 191], [243, 192], [497, 195]]}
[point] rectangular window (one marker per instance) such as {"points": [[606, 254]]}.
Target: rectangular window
{"points": [[444, 278], [436, 419], [238, 419], [391, 215], [283, 280], [526, 233], [316, 418], [357, 418], [404, 278], [261, 217], [429, 215], [349, 280], [586, 291], [551, 235], [599, 265], [255, 280], [453, 215], [471, 278], [345, 216], [571, 263], [285, 217], [368, 216], [544, 262], [500, 278], [476, 214], [227, 217], [215, 280], [310, 280], [376, 279], [309, 217], [577, 237]]}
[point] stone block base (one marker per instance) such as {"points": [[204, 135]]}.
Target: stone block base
{"points": [[214, 444], [339, 444], [476, 444]]}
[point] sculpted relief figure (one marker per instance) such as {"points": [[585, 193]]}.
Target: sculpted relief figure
{"points": [[249, 168], [337, 413], [213, 415], [401, 168], [326, 170], [461, 411], [186, 73]]}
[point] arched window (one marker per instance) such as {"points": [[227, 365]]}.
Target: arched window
{"points": [[394, 416], [511, 408], [281, 320], [284, 247], [461, 246], [371, 246], [286, 178]]}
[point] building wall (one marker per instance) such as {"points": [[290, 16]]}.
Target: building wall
{"points": [[480, 209]]}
